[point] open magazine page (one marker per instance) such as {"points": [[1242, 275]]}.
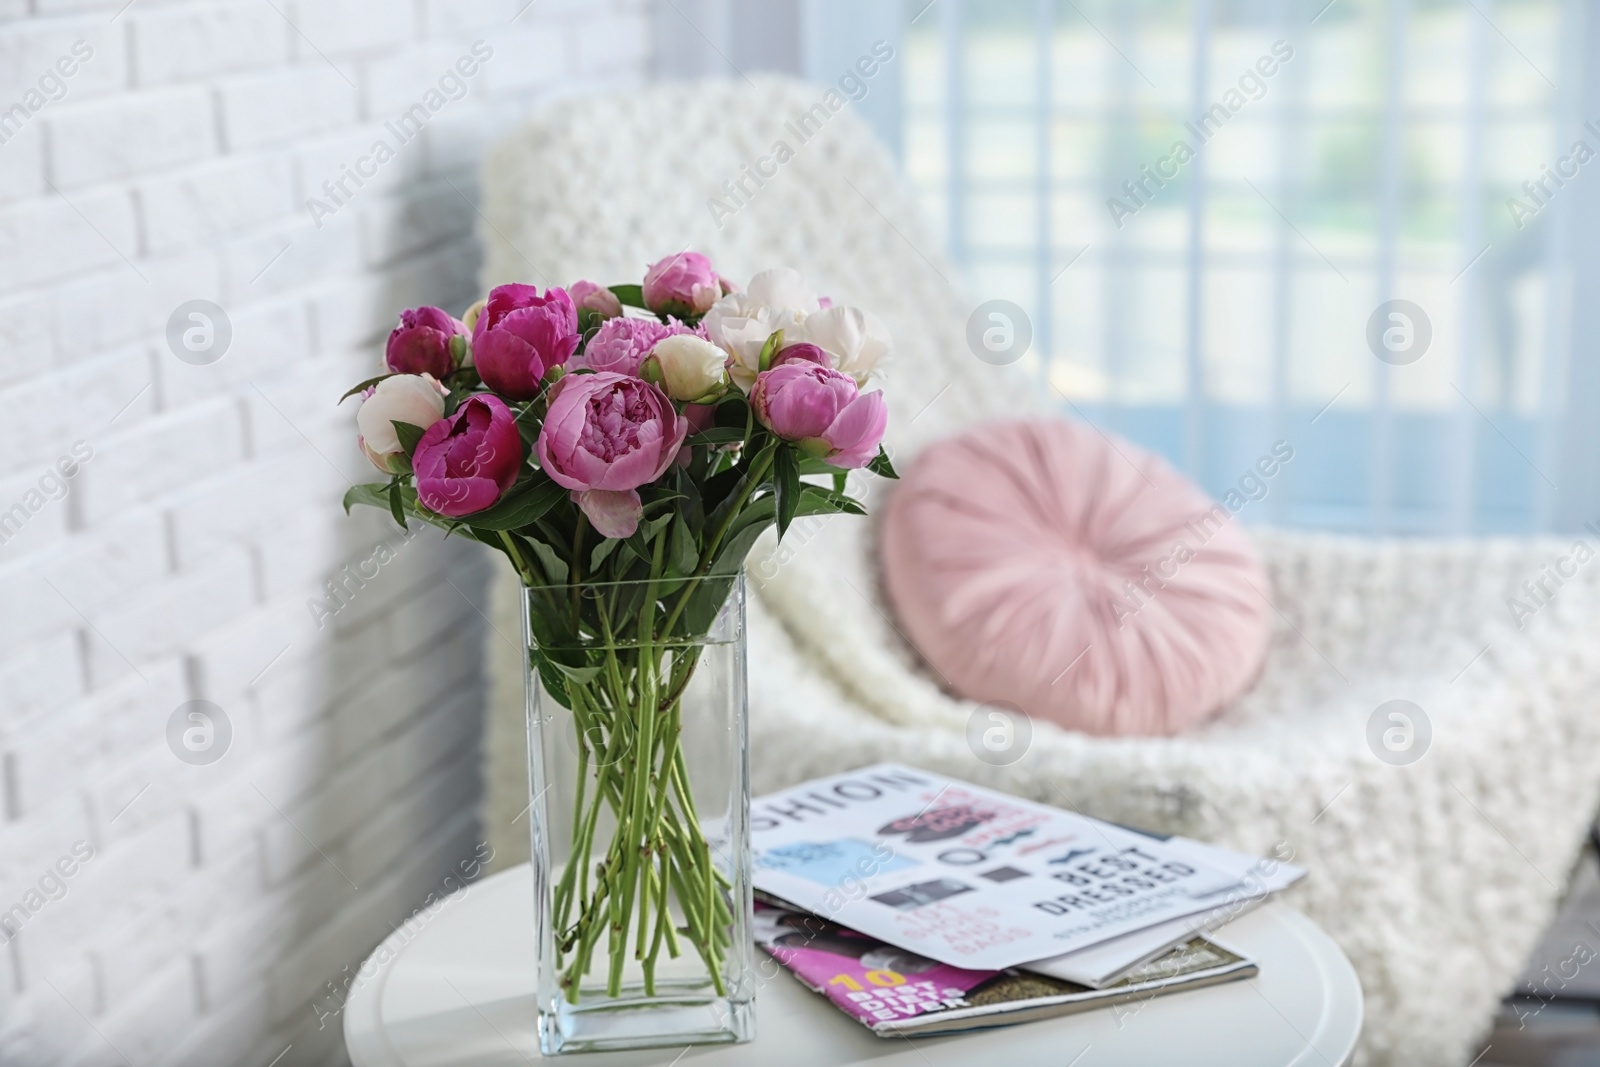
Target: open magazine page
{"points": [[893, 991], [964, 875]]}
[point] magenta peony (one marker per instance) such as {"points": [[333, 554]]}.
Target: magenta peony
{"points": [[681, 285], [801, 353], [620, 345], [467, 462], [421, 343], [520, 335], [604, 436], [822, 410]]}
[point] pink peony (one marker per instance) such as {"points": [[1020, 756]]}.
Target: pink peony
{"points": [[520, 335], [821, 409], [421, 343], [595, 298], [681, 285], [621, 344], [605, 435], [467, 462]]}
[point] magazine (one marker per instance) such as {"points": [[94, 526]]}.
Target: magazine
{"points": [[895, 992], [977, 879], [1105, 963]]}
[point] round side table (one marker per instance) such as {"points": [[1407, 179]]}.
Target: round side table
{"points": [[457, 989]]}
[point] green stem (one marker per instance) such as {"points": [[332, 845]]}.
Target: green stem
{"points": [[657, 879], [575, 575], [516, 559], [752, 480]]}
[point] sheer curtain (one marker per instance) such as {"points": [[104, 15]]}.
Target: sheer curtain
{"points": [[1375, 249]]}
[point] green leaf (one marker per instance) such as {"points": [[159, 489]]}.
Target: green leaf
{"points": [[693, 508], [656, 505], [820, 500], [786, 481], [720, 489], [397, 503], [831, 502], [771, 348], [839, 479], [359, 386], [527, 501], [555, 568], [811, 465], [373, 495], [601, 551], [528, 425], [409, 435], [638, 542], [731, 556], [881, 465], [552, 679], [705, 601], [631, 295], [577, 674], [814, 500], [726, 488], [483, 537], [683, 555], [395, 497], [717, 435]]}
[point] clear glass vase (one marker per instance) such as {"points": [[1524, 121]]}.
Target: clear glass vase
{"points": [[639, 779]]}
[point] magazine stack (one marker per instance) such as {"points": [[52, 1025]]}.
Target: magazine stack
{"points": [[919, 904]]}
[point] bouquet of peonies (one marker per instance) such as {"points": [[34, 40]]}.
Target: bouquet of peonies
{"points": [[624, 447]]}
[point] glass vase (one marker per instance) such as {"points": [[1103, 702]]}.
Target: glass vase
{"points": [[639, 813]]}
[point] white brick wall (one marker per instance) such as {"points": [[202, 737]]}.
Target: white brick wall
{"points": [[174, 163]]}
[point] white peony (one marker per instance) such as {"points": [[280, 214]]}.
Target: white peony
{"points": [[414, 398], [687, 367], [740, 323], [783, 289], [854, 340]]}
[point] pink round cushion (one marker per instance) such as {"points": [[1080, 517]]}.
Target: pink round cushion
{"points": [[1086, 582]]}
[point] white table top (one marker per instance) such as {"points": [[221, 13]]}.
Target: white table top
{"points": [[458, 989]]}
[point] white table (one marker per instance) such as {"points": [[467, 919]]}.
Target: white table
{"points": [[457, 989]]}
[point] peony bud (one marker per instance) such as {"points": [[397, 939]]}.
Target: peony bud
{"points": [[595, 298], [681, 285], [800, 353], [412, 398], [425, 342], [689, 368]]}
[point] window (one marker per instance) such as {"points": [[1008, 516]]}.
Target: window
{"points": [[1206, 208]]}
